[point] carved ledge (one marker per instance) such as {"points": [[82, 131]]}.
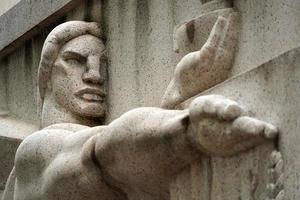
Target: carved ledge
{"points": [[32, 17], [215, 5]]}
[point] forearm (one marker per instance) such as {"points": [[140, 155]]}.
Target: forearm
{"points": [[146, 142]]}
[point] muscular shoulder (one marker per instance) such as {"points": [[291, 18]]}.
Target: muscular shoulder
{"points": [[39, 149], [47, 140], [66, 126]]}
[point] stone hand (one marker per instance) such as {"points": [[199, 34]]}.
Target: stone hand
{"points": [[218, 127], [200, 70]]}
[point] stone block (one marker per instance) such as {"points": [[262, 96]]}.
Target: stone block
{"points": [[270, 92]]}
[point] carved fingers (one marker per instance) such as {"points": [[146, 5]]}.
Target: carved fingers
{"points": [[219, 128], [214, 106], [215, 38], [200, 70], [223, 38], [226, 49], [253, 127], [195, 61], [210, 65], [230, 32]]}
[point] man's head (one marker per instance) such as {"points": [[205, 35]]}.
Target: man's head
{"points": [[73, 69]]}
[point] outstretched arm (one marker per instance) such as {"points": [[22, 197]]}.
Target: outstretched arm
{"points": [[140, 151], [145, 147]]}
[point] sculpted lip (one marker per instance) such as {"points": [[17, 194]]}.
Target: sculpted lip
{"points": [[91, 94]]}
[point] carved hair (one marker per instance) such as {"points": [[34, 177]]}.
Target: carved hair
{"points": [[59, 36]]}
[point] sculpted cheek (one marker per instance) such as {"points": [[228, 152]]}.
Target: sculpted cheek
{"points": [[60, 67]]}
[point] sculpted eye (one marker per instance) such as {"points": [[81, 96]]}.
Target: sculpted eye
{"points": [[73, 58], [74, 61]]}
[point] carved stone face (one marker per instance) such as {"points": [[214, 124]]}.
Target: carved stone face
{"points": [[79, 77]]}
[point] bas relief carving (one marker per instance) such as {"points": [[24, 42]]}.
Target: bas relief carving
{"points": [[275, 186], [75, 156]]}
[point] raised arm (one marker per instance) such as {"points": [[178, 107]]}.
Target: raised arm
{"points": [[200, 70]]}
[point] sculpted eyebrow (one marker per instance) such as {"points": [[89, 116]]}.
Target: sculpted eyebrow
{"points": [[72, 54]]}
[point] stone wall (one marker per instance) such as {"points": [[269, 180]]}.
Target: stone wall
{"points": [[5, 5]]}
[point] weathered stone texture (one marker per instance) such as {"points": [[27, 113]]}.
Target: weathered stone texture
{"points": [[268, 29], [5, 5], [141, 64]]}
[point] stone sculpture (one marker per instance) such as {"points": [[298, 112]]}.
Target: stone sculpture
{"points": [[276, 176], [135, 156]]}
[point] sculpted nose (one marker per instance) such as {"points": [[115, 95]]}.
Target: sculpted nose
{"points": [[92, 73]]}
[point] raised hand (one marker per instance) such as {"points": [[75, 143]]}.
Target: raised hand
{"points": [[218, 127], [200, 70]]}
